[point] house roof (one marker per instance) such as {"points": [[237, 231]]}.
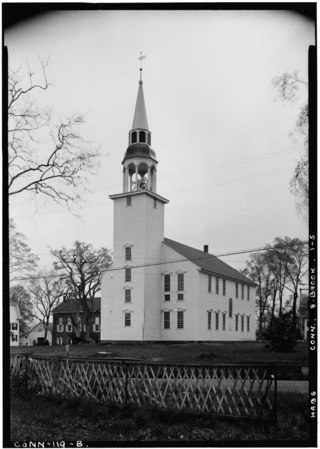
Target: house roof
{"points": [[71, 305], [16, 306], [207, 262]]}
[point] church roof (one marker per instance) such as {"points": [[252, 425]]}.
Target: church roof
{"points": [[140, 115], [207, 262]]}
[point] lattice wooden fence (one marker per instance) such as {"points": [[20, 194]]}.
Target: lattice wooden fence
{"points": [[229, 390]]}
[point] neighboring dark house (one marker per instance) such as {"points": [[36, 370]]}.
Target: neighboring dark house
{"points": [[68, 322]]}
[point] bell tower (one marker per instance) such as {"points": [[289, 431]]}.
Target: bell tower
{"points": [[131, 288], [139, 162]]}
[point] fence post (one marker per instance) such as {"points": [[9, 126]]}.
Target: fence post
{"points": [[126, 384], [26, 379], [275, 394]]}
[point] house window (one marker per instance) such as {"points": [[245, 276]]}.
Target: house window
{"points": [[237, 322], [217, 286], [69, 341], [14, 337], [83, 327], [167, 297], [230, 308], [128, 253], [134, 137], [127, 319], [96, 326], [242, 323], [127, 295], [242, 291], [167, 282], [209, 283], [166, 320], [180, 281], [224, 287], [60, 325], [128, 274], [209, 319], [180, 296], [248, 324], [128, 200], [155, 203], [149, 139], [69, 325], [224, 321], [248, 293], [180, 319], [14, 326], [142, 136], [217, 321], [237, 290], [59, 341]]}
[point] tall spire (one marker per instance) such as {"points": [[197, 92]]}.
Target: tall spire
{"points": [[140, 115]]}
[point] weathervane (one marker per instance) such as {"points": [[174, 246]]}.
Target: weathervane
{"points": [[141, 57]]}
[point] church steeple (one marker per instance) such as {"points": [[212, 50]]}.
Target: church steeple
{"points": [[139, 162]]}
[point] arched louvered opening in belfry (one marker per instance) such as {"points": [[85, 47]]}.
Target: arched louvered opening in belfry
{"points": [[134, 137], [142, 136]]}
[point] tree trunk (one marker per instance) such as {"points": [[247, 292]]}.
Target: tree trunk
{"points": [[294, 310]]}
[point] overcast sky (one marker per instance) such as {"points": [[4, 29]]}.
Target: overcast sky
{"points": [[220, 135]]}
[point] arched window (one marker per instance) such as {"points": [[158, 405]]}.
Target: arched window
{"points": [[142, 136], [230, 308], [134, 137]]}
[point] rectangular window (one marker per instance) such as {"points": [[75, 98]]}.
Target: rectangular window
{"points": [[224, 287], [128, 275], [59, 341], [14, 337], [83, 327], [242, 323], [60, 325], [180, 319], [237, 290], [224, 321], [248, 324], [242, 291], [167, 297], [127, 319], [128, 253], [128, 200], [237, 322], [166, 320], [69, 325], [14, 326], [209, 283], [180, 281], [127, 295], [217, 286], [96, 326], [217, 321], [209, 319], [180, 296], [167, 282], [248, 293]]}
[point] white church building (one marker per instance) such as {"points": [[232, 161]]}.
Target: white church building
{"points": [[158, 289]]}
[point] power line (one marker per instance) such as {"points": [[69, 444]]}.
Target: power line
{"points": [[210, 256]]}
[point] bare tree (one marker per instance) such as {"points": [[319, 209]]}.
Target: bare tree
{"points": [[46, 292], [83, 267], [52, 160], [288, 87], [21, 259]]}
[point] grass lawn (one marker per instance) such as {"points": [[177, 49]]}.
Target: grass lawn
{"points": [[203, 353], [54, 419]]}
